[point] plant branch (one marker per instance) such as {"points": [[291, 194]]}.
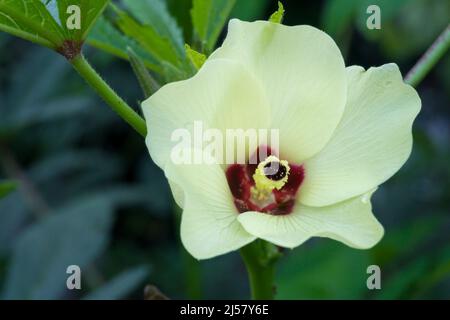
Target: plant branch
{"points": [[429, 58], [107, 93]]}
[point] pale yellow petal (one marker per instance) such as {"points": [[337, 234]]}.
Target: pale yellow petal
{"points": [[303, 74], [350, 222], [209, 225], [372, 141], [223, 94]]}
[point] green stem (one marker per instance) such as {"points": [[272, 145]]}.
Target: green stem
{"points": [[192, 276], [429, 58], [260, 258], [191, 267], [111, 98]]}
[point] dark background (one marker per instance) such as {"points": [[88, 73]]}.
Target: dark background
{"points": [[90, 195]]}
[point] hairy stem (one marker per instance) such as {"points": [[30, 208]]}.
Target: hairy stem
{"points": [[108, 94], [260, 258], [429, 58]]}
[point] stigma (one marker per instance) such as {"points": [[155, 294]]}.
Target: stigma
{"points": [[270, 174]]}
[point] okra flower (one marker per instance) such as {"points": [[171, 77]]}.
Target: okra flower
{"points": [[343, 131]]}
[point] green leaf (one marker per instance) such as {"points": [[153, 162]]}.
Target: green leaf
{"points": [[172, 73], [120, 286], [6, 187], [30, 20], [154, 13], [25, 93], [160, 48], [180, 10], [196, 58], [156, 51], [61, 25], [337, 16], [401, 281], [51, 111], [25, 90], [277, 16], [14, 214], [408, 274], [437, 274], [399, 20], [146, 81], [405, 239], [419, 276], [75, 234], [250, 10], [330, 271], [106, 37], [89, 12], [208, 19]]}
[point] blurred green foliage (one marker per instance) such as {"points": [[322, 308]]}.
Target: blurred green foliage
{"points": [[88, 193], [6, 187]]}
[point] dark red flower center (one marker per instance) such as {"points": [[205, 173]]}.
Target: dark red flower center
{"points": [[242, 185]]}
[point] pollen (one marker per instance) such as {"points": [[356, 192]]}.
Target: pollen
{"points": [[272, 173]]}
